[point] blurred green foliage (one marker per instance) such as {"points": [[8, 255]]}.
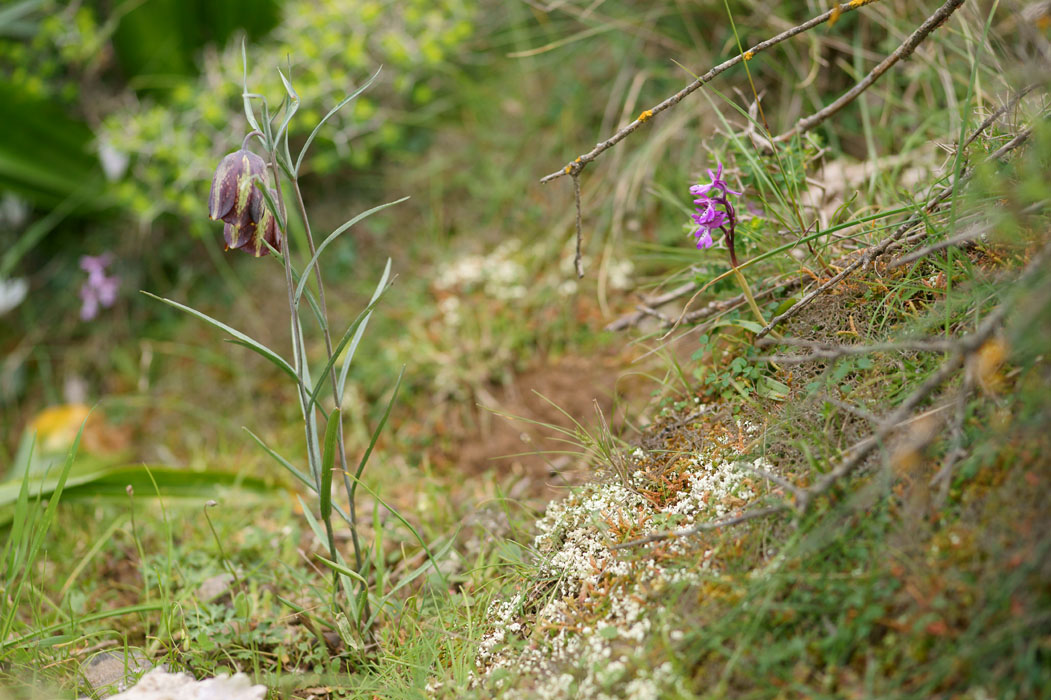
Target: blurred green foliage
{"points": [[333, 47]]}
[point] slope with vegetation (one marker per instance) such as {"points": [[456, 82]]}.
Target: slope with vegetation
{"points": [[837, 487]]}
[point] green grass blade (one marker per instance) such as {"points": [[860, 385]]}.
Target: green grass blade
{"points": [[331, 113], [20, 521], [342, 570], [353, 333], [245, 95], [345, 369], [328, 461], [282, 461], [92, 617], [239, 337], [332, 237]]}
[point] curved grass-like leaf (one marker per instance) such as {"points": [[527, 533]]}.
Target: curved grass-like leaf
{"points": [[347, 337], [340, 569], [331, 237], [328, 460], [245, 95], [239, 337], [341, 105], [345, 369], [282, 461]]}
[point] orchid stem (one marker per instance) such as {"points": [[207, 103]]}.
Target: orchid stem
{"points": [[747, 291]]}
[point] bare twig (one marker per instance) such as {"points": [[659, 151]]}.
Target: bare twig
{"points": [[997, 114], [867, 256], [971, 234], [705, 527], [578, 164], [712, 308], [774, 478], [903, 51], [832, 351], [956, 450], [854, 409], [578, 261], [964, 348]]}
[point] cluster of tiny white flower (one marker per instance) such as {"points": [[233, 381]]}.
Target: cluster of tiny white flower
{"points": [[497, 274], [573, 543]]}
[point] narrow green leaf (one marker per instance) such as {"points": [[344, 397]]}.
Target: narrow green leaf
{"points": [[20, 519], [245, 95], [347, 337], [340, 569], [92, 617], [333, 236], [328, 461], [293, 106], [312, 521], [242, 339], [282, 461], [345, 369], [341, 105]]}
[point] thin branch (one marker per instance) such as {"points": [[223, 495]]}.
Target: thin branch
{"points": [[964, 348], [997, 114], [971, 234], [774, 478], [704, 527], [578, 164], [869, 255], [956, 451], [578, 261], [832, 351], [854, 409], [903, 51], [713, 307]]}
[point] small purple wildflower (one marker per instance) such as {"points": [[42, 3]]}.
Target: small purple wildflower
{"points": [[98, 291], [714, 211]]}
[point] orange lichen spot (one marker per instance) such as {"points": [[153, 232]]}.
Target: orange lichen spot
{"points": [[568, 168], [646, 115], [749, 55], [834, 17], [859, 3], [577, 160]]}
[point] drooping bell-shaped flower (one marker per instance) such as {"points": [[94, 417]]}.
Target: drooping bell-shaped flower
{"points": [[232, 186], [237, 201]]}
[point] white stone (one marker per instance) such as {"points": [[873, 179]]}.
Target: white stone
{"points": [[161, 685]]}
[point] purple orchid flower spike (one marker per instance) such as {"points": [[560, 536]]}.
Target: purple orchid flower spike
{"points": [[714, 211]]}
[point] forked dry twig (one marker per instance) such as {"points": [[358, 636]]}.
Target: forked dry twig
{"points": [[577, 164], [903, 51]]}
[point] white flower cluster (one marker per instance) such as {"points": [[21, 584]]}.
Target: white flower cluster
{"points": [[569, 631], [497, 274]]}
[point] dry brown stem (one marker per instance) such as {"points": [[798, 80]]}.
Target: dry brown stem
{"points": [[578, 164]]}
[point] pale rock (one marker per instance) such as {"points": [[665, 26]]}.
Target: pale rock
{"points": [[161, 685]]}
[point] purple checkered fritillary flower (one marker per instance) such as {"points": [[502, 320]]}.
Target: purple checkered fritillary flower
{"points": [[714, 211]]}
